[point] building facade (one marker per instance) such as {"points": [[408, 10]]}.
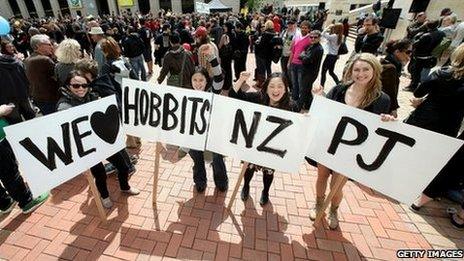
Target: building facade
{"points": [[46, 8]]}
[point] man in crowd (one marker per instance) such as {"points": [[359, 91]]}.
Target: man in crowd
{"points": [[287, 37], [417, 26], [146, 36], [369, 38], [97, 34], [133, 48], [40, 71]]}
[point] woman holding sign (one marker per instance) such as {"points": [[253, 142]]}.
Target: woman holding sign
{"points": [[76, 93], [274, 93], [361, 88], [201, 81]]}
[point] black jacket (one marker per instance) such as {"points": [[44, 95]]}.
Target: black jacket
{"points": [[311, 59], [241, 42], [264, 46], [103, 86], [443, 109], [14, 88], [390, 76], [425, 44], [380, 105], [132, 46], [368, 43]]}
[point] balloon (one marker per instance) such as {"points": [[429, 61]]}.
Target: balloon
{"points": [[4, 26]]}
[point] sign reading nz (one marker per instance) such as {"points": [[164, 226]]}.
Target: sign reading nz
{"points": [[394, 158]]}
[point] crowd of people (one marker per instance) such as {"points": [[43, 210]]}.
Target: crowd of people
{"points": [[48, 65]]}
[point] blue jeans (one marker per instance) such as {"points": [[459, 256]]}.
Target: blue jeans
{"points": [[296, 71], [199, 171], [13, 184], [138, 66]]}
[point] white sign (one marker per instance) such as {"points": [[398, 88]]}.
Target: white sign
{"points": [[167, 114], [55, 148], [202, 8], [394, 158], [258, 134]]}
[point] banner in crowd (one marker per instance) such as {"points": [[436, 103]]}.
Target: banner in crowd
{"points": [[173, 115], [202, 8], [394, 158], [55, 148], [125, 2], [258, 134], [75, 4]]}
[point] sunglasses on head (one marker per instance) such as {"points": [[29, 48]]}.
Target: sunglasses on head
{"points": [[77, 85]]}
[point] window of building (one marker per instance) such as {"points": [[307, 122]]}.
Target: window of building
{"points": [[64, 7], [166, 5], [15, 8], [144, 6], [47, 8], [188, 6], [31, 8]]}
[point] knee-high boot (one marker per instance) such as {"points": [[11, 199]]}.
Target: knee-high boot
{"points": [[246, 186], [267, 181]]}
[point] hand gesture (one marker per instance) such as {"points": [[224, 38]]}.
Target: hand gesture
{"points": [[387, 117], [244, 76], [318, 90], [415, 102], [6, 109]]}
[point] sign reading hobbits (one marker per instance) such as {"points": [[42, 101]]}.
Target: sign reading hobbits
{"points": [[167, 114], [258, 134]]}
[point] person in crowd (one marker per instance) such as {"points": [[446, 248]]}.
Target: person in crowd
{"points": [[76, 92], [263, 52], [40, 71], [295, 64], [226, 52], [97, 35], [333, 34], [216, 31], [162, 44], [369, 37], [287, 36], [423, 60], [184, 33], [178, 63], [13, 189], [67, 53], [274, 93], [202, 81], [15, 86], [418, 26], [133, 48], [311, 59], [146, 35], [439, 108], [82, 38], [361, 88], [398, 54], [346, 29], [240, 46], [458, 37]]}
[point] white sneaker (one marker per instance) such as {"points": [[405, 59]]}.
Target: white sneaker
{"points": [[131, 191], [333, 219], [107, 203]]}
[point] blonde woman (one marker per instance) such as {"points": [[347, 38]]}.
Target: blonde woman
{"points": [[67, 53], [334, 37], [361, 88]]}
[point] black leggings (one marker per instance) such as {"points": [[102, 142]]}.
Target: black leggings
{"points": [[329, 65]]}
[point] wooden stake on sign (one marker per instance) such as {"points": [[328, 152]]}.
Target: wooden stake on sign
{"points": [[156, 173], [96, 196], [237, 185], [338, 186]]}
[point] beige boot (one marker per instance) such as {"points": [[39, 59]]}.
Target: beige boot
{"points": [[333, 217], [317, 207]]}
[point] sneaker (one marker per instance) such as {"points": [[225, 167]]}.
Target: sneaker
{"points": [[107, 203], [35, 203], [110, 169], [8, 208], [333, 219], [245, 193], [317, 207], [131, 191]]}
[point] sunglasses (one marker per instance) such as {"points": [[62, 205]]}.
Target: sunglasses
{"points": [[77, 86]]}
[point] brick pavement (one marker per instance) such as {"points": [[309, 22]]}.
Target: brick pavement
{"points": [[185, 225]]}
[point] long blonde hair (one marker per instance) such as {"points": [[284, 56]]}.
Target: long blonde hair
{"points": [[457, 62], [374, 87], [68, 51]]}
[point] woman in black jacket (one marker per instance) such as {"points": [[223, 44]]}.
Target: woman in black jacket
{"points": [[361, 89], [263, 51], [442, 111], [274, 93]]}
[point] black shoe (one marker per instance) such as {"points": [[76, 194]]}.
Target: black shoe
{"points": [[415, 208], [223, 188], [245, 193], [200, 188], [264, 199]]}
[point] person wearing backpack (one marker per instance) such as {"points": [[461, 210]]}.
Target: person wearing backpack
{"points": [[178, 63], [133, 48]]}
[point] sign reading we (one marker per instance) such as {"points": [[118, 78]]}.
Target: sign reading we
{"points": [[258, 134], [394, 158], [166, 114], [55, 148]]}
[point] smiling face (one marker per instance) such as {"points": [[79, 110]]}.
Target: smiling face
{"points": [[78, 86], [199, 81], [275, 90], [362, 73]]}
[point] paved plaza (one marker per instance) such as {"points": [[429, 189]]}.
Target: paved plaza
{"points": [[190, 226]]}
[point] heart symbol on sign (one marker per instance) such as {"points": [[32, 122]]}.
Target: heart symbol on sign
{"points": [[106, 125]]}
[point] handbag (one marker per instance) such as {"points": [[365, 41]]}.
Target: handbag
{"points": [[343, 49]]}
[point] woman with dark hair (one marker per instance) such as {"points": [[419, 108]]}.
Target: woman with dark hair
{"points": [[274, 93], [226, 52], [398, 55], [439, 103], [202, 81], [334, 36], [77, 92]]}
